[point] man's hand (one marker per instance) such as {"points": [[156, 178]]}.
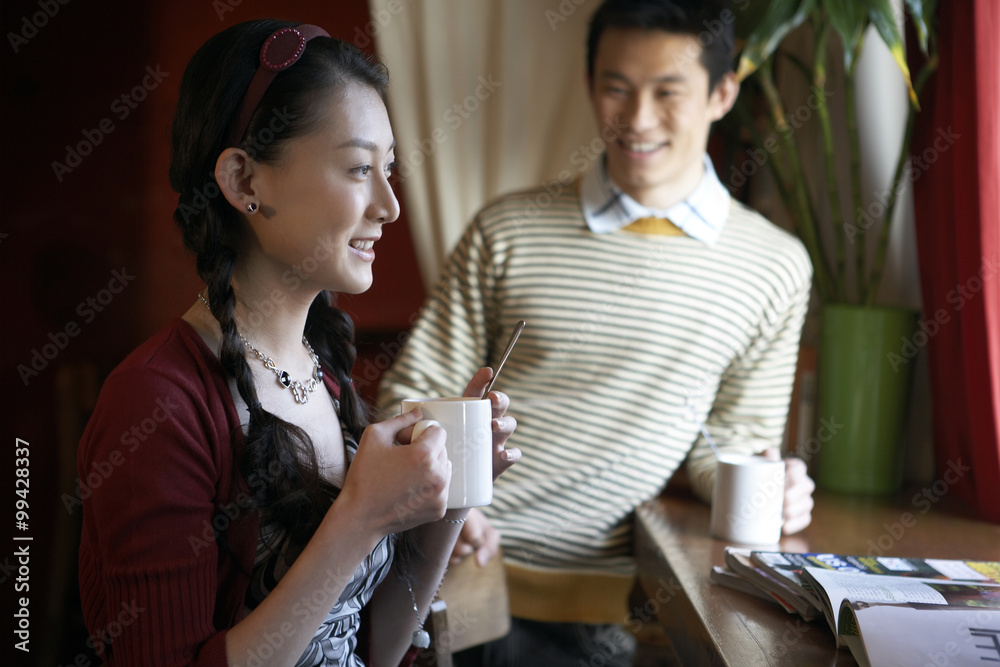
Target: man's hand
{"points": [[478, 537], [799, 487]]}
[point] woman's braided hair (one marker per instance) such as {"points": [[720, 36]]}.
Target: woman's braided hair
{"points": [[293, 494]]}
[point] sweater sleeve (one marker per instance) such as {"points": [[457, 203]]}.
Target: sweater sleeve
{"points": [[751, 405], [151, 474], [454, 332]]}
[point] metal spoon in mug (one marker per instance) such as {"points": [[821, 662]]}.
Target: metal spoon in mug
{"points": [[506, 353], [702, 428]]}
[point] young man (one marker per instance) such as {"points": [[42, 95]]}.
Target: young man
{"points": [[649, 295]]}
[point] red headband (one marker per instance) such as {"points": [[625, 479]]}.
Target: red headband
{"points": [[280, 51]]}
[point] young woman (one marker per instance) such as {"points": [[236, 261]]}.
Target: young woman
{"points": [[247, 513]]}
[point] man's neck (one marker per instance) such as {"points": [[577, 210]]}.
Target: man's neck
{"points": [[665, 195]]}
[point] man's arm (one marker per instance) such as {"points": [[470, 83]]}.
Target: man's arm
{"points": [[750, 408]]}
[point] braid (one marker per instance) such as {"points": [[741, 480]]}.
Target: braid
{"points": [[294, 496], [331, 333]]}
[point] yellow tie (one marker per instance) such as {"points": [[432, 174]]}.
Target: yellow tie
{"points": [[656, 226]]}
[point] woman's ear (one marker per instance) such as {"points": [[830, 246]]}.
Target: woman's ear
{"points": [[234, 172]]}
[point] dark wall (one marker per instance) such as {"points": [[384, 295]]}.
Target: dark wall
{"points": [[92, 263]]}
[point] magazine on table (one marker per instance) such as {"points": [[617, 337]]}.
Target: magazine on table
{"points": [[739, 564], [905, 634], [837, 586], [723, 576], [879, 599]]}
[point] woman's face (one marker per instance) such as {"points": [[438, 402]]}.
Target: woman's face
{"points": [[323, 204]]}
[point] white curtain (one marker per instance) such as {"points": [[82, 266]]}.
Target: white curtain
{"points": [[486, 97]]}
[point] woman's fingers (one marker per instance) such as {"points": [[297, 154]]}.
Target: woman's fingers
{"points": [[477, 385], [499, 401]]}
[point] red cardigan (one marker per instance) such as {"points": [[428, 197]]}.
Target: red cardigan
{"points": [[156, 474]]}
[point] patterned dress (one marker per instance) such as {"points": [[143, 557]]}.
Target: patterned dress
{"points": [[336, 639]]}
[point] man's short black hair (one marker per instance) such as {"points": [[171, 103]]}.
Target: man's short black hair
{"points": [[708, 21]]}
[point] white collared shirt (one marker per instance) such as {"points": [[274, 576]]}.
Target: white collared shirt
{"points": [[701, 216]]}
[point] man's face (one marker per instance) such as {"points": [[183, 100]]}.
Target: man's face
{"points": [[651, 90]]}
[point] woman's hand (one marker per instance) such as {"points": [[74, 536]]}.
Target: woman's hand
{"points": [[502, 425], [399, 487]]}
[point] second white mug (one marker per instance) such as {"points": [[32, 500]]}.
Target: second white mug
{"points": [[747, 499]]}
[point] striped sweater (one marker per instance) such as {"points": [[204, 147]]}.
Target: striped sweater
{"points": [[623, 331]]}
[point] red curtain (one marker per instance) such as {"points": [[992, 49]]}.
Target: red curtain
{"points": [[956, 162]]}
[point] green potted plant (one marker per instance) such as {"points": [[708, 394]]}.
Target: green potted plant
{"points": [[859, 387]]}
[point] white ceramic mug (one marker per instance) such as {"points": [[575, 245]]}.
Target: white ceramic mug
{"points": [[747, 499], [466, 421]]}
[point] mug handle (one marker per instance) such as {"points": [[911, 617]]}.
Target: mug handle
{"points": [[422, 426]]}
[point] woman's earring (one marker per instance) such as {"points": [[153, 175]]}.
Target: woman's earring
{"points": [[252, 207]]}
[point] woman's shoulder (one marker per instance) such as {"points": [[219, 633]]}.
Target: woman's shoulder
{"points": [[173, 352], [173, 368]]}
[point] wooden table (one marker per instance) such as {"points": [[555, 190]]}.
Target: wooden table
{"points": [[713, 625]]}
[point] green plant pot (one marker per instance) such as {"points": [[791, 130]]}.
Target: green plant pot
{"points": [[865, 365]]}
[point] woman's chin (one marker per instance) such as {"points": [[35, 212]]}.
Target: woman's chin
{"points": [[359, 287]]}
